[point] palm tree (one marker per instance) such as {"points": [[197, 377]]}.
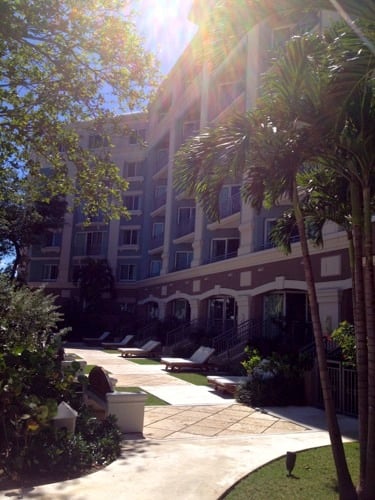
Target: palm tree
{"points": [[270, 146]]}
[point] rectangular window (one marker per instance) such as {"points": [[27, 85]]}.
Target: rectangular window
{"points": [[50, 272], [131, 169], [224, 248], [53, 239], [155, 267], [183, 260], [132, 202], [157, 229], [268, 226], [185, 214], [129, 237], [128, 272], [98, 141], [89, 243], [137, 136]]}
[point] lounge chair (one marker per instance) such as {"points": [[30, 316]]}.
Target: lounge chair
{"points": [[149, 350], [198, 360], [96, 340], [226, 383], [123, 343]]}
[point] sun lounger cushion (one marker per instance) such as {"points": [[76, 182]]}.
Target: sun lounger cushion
{"points": [[146, 349]]}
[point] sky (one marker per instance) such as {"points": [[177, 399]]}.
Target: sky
{"points": [[165, 26]]}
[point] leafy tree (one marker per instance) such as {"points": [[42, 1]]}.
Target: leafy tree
{"points": [[94, 278], [61, 63], [24, 222]]}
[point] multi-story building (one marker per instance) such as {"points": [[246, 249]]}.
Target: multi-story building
{"points": [[169, 259]]}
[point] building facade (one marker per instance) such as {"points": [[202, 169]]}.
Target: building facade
{"points": [[170, 260]]}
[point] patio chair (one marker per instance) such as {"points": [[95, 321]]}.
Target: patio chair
{"points": [[96, 340], [226, 383], [149, 350], [123, 343], [198, 360]]}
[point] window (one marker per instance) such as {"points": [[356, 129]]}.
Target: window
{"points": [[129, 237], [185, 214], [128, 272], [131, 169], [53, 239], [137, 136], [155, 267], [224, 248], [157, 234], [269, 224], [229, 200], [98, 141], [183, 260], [157, 229], [89, 243], [50, 272], [132, 202]]}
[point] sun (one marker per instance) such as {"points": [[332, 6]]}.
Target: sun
{"points": [[165, 26]]}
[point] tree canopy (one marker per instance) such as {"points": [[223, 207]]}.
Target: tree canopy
{"points": [[64, 62]]}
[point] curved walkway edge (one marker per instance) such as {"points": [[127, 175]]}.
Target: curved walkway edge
{"points": [[176, 460]]}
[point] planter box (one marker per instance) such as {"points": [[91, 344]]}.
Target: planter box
{"points": [[128, 408]]}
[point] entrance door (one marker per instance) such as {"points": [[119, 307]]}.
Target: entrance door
{"points": [[221, 314]]}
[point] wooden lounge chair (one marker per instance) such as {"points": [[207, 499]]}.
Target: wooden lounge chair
{"points": [[96, 340], [198, 360], [123, 343], [226, 383], [149, 350]]}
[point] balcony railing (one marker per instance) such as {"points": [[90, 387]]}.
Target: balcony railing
{"points": [[225, 256]]}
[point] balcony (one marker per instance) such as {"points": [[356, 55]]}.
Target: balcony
{"points": [[224, 256]]}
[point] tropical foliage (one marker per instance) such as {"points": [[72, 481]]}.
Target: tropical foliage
{"points": [[313, 127], [59, 63]]}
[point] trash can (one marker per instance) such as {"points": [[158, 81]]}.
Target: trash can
{"points": [[65, 418], [128, 408]]}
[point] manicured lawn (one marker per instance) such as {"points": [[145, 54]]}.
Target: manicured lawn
{"points": [[193, 378], [144, 361], [151, 399], [313, 477]]}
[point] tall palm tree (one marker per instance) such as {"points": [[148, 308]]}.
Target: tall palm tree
{"points": [[271, 152]]}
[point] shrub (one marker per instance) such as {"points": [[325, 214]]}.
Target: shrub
{"points": [[32, 384], [273, 381], [344, 336]]}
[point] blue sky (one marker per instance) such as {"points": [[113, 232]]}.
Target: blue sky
{"points": [[165, 26]]}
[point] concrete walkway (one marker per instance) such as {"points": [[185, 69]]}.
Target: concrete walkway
{"points": [[194, 449]]}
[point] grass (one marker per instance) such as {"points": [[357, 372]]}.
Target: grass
{"points": [[313, 477], [151, 399], [193, 378], [144, 361]]}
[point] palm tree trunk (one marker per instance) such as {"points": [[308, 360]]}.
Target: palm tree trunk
{"points": [[345, 483], [369, 486], [360, 329]]}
